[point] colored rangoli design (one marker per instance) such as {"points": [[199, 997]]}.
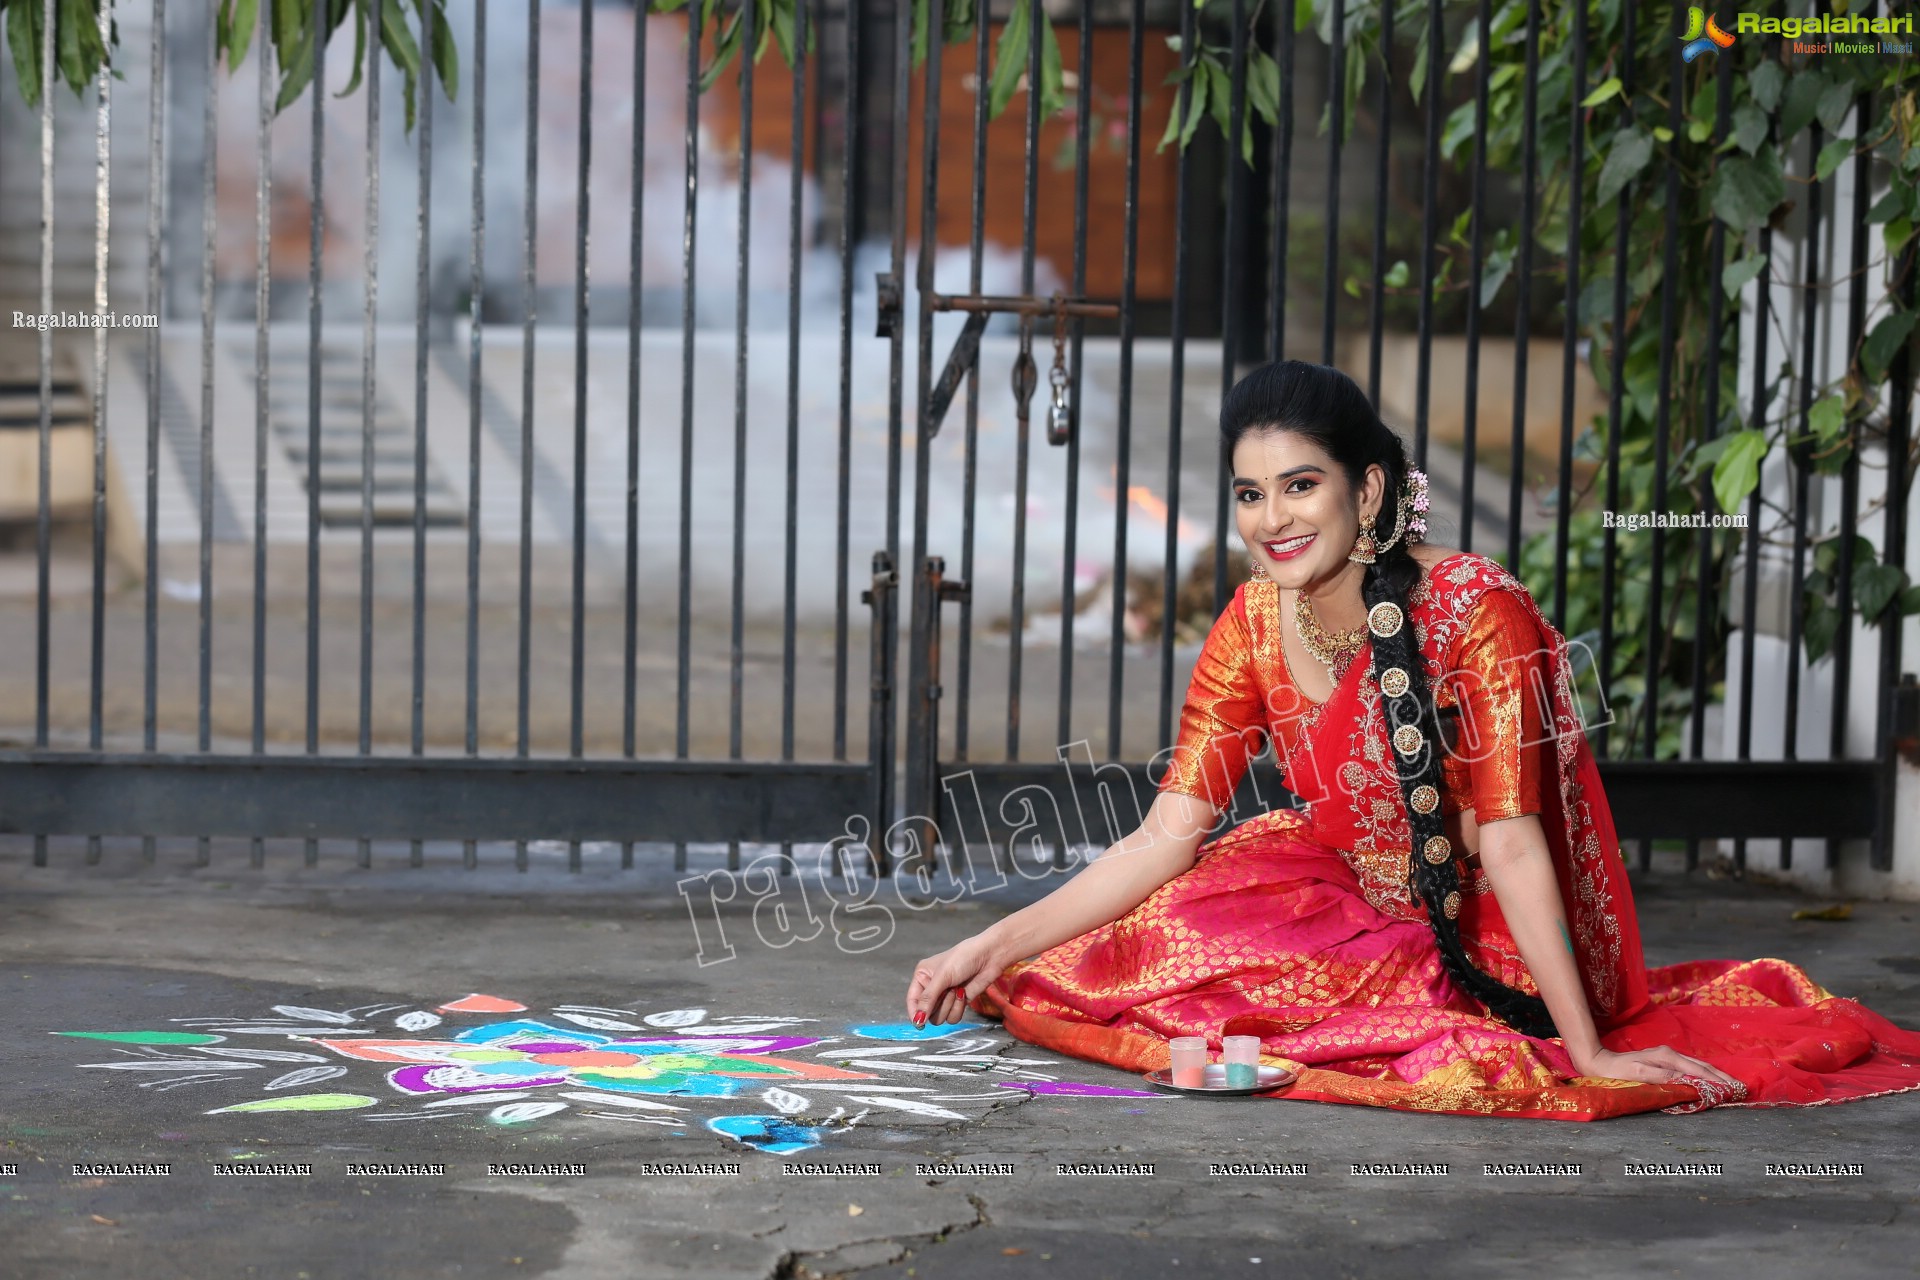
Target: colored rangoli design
{"points": [[674, 1069]]}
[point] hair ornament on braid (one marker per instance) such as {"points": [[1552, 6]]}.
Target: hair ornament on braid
{"points": [[1409, 515]]}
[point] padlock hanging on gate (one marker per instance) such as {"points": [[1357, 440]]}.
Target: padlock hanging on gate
{"points": [[1060, 415]]}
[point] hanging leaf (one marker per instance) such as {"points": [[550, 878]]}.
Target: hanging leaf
{"points": [[1606, 89], [1828, 419], [233, 28], [23, 40], [1802, 100], [1877, 353], [1263, 85], [1499, 266], [1822, 621], [1874, 586], [1749, 127], [78, 52], [1181, 126], [1417, 81], [403, 50], [446, 55], [1626, 158], [1890, 204], [1736, 276], [360, 26], [1834, 102], [1831, 157], [1738, 469], [1745, 190], [1009, 61]]}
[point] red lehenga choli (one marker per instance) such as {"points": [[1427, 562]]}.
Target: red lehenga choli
{"points": [[1299, 927]]}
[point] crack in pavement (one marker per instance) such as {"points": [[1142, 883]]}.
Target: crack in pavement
{"points": [[798, 1264]]}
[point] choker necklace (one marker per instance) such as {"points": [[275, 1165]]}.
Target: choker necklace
{"points": [[1334, 650]]}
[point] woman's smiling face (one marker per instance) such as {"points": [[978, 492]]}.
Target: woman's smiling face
{"points": [[1297, 512]]}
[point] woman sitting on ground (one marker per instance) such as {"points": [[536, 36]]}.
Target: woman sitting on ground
{"points": [[1447, 925]]}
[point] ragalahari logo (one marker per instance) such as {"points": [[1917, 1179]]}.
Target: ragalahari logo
{"points": [[1695, 42]]}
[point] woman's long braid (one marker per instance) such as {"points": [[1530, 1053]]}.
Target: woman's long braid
{"points": [[1324, 406], [1435, 881]]}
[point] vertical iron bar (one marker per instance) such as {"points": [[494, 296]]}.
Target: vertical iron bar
{"points": [[1283, 19], [102, 208], [976, 251], [1655, 651], [1176, 388], [156, 194], [1759, 405], [1616, 397], [96, 673], [922, 747], [577, 631], [1230, 282], [577, 627], [1123, 412], [1894, 540], [1706, 585], [1476, 262], [416, 854], [1570, 340], [796, 172], [209, 221], [1761, 402], [889, 666], [262, 394], [1523, 284], [1029, 224], [1382, 174], [43, 526], [1070, 539], [1336, 135], [1429, 232], [1850, 473], [636, 259], [736, 649], [369, 394], [1802, 466], [530, 302], [849, 193], [470, 849], [315, 228], [687, 240]]}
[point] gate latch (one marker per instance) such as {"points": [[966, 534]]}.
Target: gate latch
{"points": [[966, 354]]}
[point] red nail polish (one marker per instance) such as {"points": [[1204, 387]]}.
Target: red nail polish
{"points": [[920, 1018]]}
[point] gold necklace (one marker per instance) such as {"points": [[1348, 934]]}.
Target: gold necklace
{"points": [[1333, 650]]}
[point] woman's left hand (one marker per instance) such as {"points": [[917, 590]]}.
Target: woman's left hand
{"points": [[1660, 1065]]}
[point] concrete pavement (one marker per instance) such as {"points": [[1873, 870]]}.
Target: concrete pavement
{"points": [[248, 975]]}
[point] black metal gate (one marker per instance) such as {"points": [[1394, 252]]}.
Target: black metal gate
{"points": [[326, 519]]}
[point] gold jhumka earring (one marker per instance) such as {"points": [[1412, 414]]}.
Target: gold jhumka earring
{"points": [[1365, 548]]}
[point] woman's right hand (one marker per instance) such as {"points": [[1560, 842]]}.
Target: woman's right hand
{"points": [[944, 984]]}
